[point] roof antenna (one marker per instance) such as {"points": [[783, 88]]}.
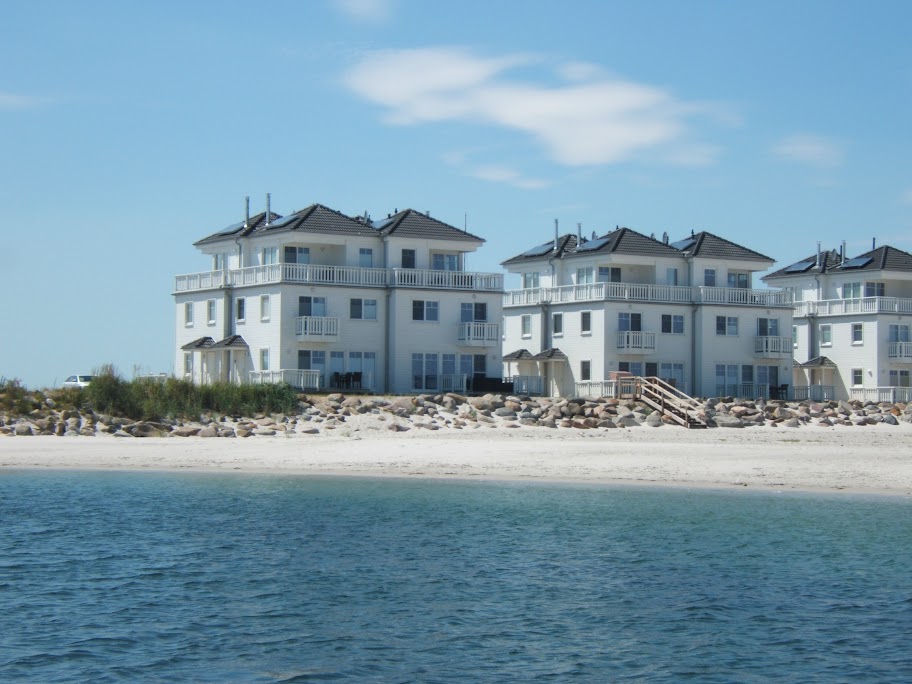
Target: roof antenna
{"points": [[268, 211], [246, 211]]}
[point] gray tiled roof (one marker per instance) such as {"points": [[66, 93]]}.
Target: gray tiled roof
{"points": [[620, 241], [707, 245], [518, 355], [314, 219], [553, 354], [413, 224], [817, 362], [886, 258], [199, 343], [829, 260], [232, 342], [565, 243]]}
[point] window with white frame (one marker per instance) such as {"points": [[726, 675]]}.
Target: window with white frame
{"points": [[673, 323], [315, 360], [826, 335], [311, 306], [557, 324], [188, 314], [671, 276], [188, 363], [264, 359], [768, 375], [270, 255], [424, 371], [726, 325], [857, 376], [240, 310], [363, 309], [526, 325], [767, 327], [424, 310], [672, 373], [630, 322], [857, 333], [632, 367], [709, 277], [297, 255], [727, 378], [739, 280], [445, 262], [366, 257], [473, 312], [210, 311], [898, 333], [586, 322], [874, 289], [265, 308], [899, 378], [584, 275], [409, 258], [585, 370], [530, 280], [609, 274], [851, 290], [219, 262]]}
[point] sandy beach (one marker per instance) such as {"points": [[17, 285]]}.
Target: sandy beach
{"points": [[872, 459]]}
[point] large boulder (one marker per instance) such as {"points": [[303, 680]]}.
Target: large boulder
{"points": [[724, 420]]}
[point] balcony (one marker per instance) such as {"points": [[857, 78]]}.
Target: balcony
{"points": [[881, 394], [301, 379], [636, 342], [771, 347], [478, 334], [320, 274], [317, 328], [862, 305], [640, 292], [813, 393], [900, 351]]}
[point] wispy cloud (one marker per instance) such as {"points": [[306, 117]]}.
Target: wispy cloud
{"points": [[589, 118], [366, 10], [9, 101], [504, 174], [811, 150]]}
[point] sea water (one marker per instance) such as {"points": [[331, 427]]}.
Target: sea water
{"points": [[128, 577]]}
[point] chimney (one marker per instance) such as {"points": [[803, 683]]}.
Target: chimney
{"points": [[665, 238], [818, 253], [579, 234], [555, 235], [246, 211], [842, 252], [268, 210], [873, 243]]}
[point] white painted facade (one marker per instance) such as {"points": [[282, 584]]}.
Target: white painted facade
{"points": [[654, 313], [323, 308]]}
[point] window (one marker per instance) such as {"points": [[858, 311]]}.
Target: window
{"points": [[726, 325], [768, 375], [851, 290], [297, 255], [366, 257], [188, 363], [671, 276], [219, 262], [270, 255], [586, 322], [898, 333], [409, 258], [630, 321], [264, 359], [526, 325], [311, 306], [857, 333], [747, 373], [672, 323], [240, 309], [425, 310], [709, 277], [632, 367], [188, 314], [874, 289], [584, 275], [857, 376], [609, 274], [530, 280], [826, 335], [470, 312], [899, 378], [363, 309], [768, 327], [336, 367], [727, 378], [557, 321], [313, 359], [210, 311], [741, 280], [445, 262], [265, 308], [794, 337], [424, 371], [672, 373], [585, 370]]}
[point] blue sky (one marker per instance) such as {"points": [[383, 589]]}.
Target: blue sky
{"points": [[130, 130]]}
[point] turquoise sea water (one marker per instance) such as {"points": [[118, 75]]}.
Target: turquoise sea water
{"points": [[126, 577]]}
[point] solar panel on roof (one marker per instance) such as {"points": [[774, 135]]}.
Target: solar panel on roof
{"points": [[684, 244], [593, 245], [857, 262], [231, 229], [801, 266], [539, 251], [380, 225], [278, 223]]}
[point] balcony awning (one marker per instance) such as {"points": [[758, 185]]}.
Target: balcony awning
{"points": [[817, 362], [553, 354], [233, 342], [518, 355], [199, 343]]}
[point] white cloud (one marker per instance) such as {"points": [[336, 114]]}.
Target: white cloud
{"points": [[504, 174], [365, 10], [809, 149], [595, 119], [11, 101]]}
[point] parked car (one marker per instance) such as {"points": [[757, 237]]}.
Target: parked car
{"points": [[77, 381]]}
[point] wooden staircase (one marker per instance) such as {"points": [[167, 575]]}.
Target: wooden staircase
{"points": [[671, 401]]}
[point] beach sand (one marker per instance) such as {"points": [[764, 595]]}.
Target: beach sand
{"points": [[871, 459]]}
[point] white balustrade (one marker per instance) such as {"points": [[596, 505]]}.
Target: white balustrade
{"points": [[316, 327], [900, 350], [773, 346], [478, 334], [646, 292], [635, 340], [301, 379], [527, 384]]}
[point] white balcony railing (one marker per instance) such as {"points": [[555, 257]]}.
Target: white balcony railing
{"points": [[527, 384], [640, 292], [813, 392], [446, 382], [322, 274], [302, 379], [773, 346], [861, 305], [901, 351], [317, 327], [882, 394], [636, 341], [477, 334]]}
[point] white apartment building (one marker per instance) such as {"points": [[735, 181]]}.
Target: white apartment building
{"points": [[322, 300], [852, 324], [624, 302]]}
